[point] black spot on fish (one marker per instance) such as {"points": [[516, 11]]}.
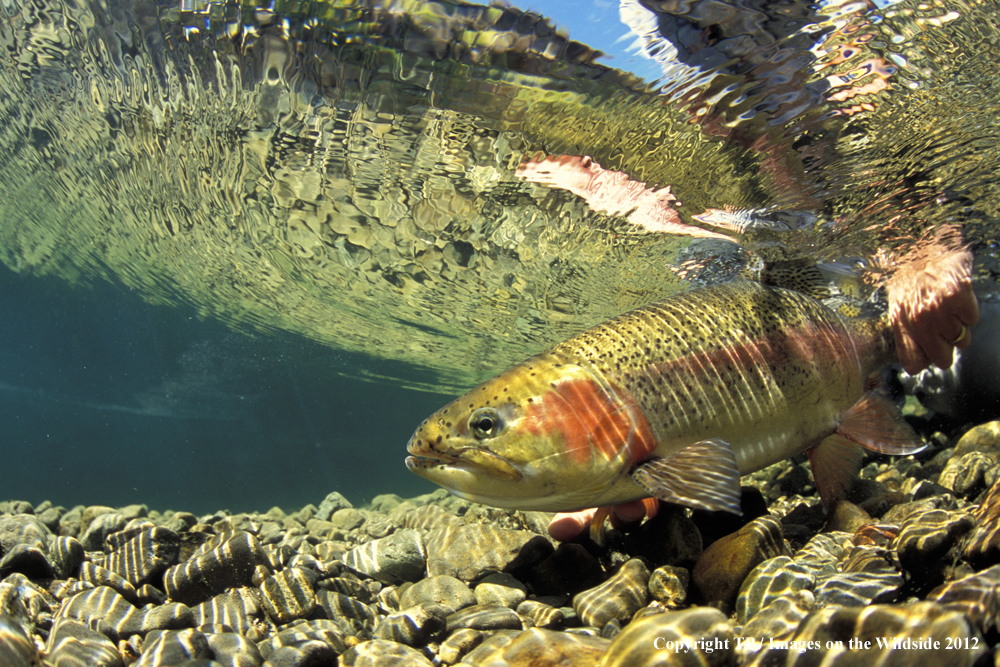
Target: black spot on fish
{"points": [[438, 441]]}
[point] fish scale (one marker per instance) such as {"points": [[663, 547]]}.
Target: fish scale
{"points": [[674, 400]]}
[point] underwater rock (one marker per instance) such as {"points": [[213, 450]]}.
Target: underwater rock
{"points": [[145, 556], [502, 589], [443, 589], [669, 538], [983, 546], [459, 643], [617, 598], [99, 576], [829, 633], [239, 608], [925, 539], [115, 617], [233, 650], [172, 647], [100, 527], [858, 589], [24, 530], [16, 648], [846, 517], [392, 560], [23, 601], [378, 653], [226, 561], [773, 579], [970, 474], [541, 615], [669, 585], [27, 560], [413, 626], [470, 551], [355, 617], [306, 654], [484, 617], [320, 630], [780, 617], [334, 501], [977, 596], [653, 640], [73, 643], [289, 595], [66, 555], [539, 647], [727, 562]]}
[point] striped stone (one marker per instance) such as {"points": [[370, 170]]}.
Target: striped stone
{"points": [[227, 561], [317, 630], [99, 576], [16, 649], [145, 557], [105, 605], [238, 609], [173, 647], [289, 595], [617, 598], [356, 617], [73, 644], [66, 554]]}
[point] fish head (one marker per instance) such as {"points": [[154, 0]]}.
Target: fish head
{"points": [[549, 434]]}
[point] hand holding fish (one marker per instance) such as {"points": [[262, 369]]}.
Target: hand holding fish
{"points": [[931, 307]]}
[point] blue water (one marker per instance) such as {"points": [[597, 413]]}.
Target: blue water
{"points": [[107, 400]]}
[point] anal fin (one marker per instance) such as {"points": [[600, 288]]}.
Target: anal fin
{"points": [[876, 424], [835, 463], [701, 476]]}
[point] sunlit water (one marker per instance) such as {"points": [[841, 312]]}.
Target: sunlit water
{"points": [[276, 223]]}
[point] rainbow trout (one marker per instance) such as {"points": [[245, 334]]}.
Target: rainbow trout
{"points": [[675, 400]]}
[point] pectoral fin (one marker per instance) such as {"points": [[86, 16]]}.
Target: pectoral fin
{"points": [[701, 476], [876, 424], [835, 463]]}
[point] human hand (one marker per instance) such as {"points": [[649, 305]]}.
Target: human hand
{"points": [[567, 525], [931, 307]]}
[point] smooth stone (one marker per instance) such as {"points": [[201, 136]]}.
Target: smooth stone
{"points": [[645, 642], [145, 557], [66, 555], [925, 540], [668, 585], [239, 608], [333, 502], [71, 642], [229, 560], [976, 595], [355, 616], [16, 649], [458, 644], [721, 570], [385, 503], [347, 519], [669, 538], [780, 617], [846, 517], [99, 576], [414, 626], [289, 595], [425, 518], [541, 615], [984, 438], [618, 598], [918, 622], [95, 536], [171, 647], [773, 579], [106, 605], [381, 653], [50, 519], [983, 546], [484, 617], [27, 560], [321, 630], [233, 650], [537, 647], [25, 530], [443, 589], [502, 589], [306, 654], [392, 560], [858, 589], [468, 552], [969, 474]]}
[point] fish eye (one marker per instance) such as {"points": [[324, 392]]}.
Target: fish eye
{"points": [[484, 423]]}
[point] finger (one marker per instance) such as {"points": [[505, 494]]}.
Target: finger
{"points": [[628, 512], [567, 525]]}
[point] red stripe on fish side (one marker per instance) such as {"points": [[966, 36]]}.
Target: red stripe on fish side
{"points": [[591, 419]]}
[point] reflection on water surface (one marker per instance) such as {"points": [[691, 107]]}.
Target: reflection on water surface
{"points": [[375, 175]]}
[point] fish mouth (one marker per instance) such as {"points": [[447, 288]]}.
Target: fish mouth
{"points": [[469, 459]]}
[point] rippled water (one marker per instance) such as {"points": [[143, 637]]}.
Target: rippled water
{"points": [[369, 174]]}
